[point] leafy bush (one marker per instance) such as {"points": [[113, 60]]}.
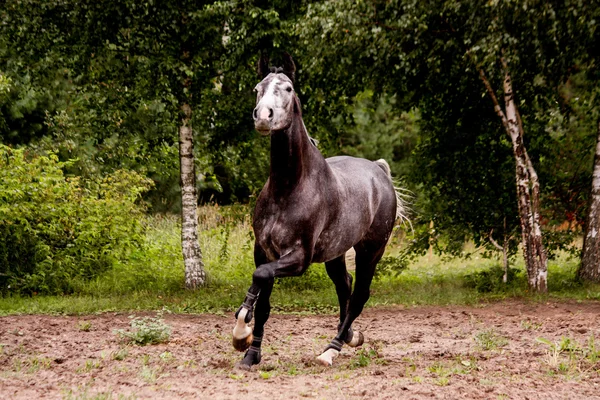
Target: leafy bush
{"points": [[490, 280], [55, 230], [147, 330]]}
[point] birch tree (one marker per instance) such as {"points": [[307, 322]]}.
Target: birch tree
{"points": [[167, 53], [590, 259], [528, 186], [448, 57]]}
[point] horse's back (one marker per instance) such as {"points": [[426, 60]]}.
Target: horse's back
{"points": [[360, 176], [366, 200]]}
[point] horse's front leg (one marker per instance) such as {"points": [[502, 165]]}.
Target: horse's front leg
{"points": [[259, 295]]}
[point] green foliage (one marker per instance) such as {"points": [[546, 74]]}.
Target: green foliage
{"points": [[490, 280], [379, 130], [490, 340], [571, 358], [146, 330], [56, 230]]}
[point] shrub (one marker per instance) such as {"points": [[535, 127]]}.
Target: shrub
{"points": [[56, 230], [147, 330], [490, 280]]}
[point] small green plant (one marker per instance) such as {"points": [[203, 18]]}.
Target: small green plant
{"points": [[84, 326], [120, 354], [147, 330], [442, 381], [490, 340], [166, 357], [530, 326], [570, 358], [148, 374], [265, 374], [89, 366], [365, 356]]}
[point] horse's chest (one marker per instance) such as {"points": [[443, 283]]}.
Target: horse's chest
{"points": [[275, 236]]}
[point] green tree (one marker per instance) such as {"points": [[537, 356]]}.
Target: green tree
{"points": [[444, 56]]}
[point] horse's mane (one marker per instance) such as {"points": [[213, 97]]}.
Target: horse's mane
{"points": [[298, 107]]}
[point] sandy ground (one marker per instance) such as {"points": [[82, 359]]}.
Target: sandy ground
{"points": [[485, 352]]}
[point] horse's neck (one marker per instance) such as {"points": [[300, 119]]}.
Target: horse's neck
{"points": [[292, 157]]}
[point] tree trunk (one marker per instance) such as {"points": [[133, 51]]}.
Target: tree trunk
{"points": [[590, 257], [192, 255], [504, 250], [528, 193]]}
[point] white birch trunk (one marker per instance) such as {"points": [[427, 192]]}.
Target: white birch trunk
{"points": [[528, 196], [528, 193], [195, 275], [590, 257]]}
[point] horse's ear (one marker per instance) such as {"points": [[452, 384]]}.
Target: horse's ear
{"points": [[289, 67], [263, 66]]}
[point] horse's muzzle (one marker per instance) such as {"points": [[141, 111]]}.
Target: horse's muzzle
{"points": [[263, 126]]}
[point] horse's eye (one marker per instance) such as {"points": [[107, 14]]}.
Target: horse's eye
{"points": [[289, 88]]}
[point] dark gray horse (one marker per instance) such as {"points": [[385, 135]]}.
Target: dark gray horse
{"points": [[310, 210]]}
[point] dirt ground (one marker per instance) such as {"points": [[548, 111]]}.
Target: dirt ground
{"points": [[507, 350]]}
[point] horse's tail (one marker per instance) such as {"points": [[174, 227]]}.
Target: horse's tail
{"points": [[402, 196]]}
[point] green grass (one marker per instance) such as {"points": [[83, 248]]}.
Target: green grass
{"points": [[152, 278]]}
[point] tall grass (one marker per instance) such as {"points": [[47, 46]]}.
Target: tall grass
{"points": [[152, 278]]}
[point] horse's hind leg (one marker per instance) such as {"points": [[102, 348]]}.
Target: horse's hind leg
{"points": [[368, 255]]}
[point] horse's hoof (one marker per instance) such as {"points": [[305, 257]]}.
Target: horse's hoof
{"points": [[252, 357], [242, 333], [357, 339], [242, 344], [243, 367], [327, 357]]}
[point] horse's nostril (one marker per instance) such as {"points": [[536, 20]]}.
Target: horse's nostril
{"points": [[270, 113], [255, 114]]}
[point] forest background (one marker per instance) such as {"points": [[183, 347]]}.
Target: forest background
{"points": [[101, 103]]}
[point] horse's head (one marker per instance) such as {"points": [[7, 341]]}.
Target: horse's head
{"points": [[275, 96]]}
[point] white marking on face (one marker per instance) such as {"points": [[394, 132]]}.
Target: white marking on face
{"points": [[274, 101], [269, 99]]}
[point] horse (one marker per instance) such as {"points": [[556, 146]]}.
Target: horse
{"points": [[311, 210]]}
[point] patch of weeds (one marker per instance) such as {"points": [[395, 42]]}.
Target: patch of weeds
{"points": [[341, 376], [490, 340], [189, 364], [265, 374], [37, 363], [236, 377], [531, 326], [148, 374], [146, 330], [438, 368], [442, 381], [120, 354], [145, 359], [570, 358], [89, 366], [365, 356], [292, 370], [31, 364], [465, 365], [166, 357], [84, 326]]}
